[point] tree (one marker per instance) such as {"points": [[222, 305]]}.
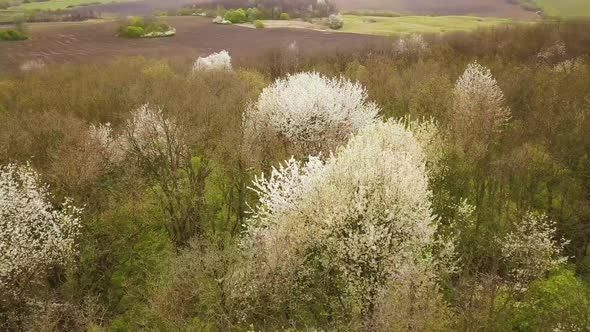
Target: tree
{"points": [[312, 112], [530, 251], [479, 114], [335, 21], [34, 235], [158, 144], [215, 61], [364, 215]]}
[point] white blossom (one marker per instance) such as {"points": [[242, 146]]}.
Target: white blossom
{"points": [[33, 234], [531, 250], [553, 53], [221, 20], [109, 146], [479, 114], [365, 212], [215, 61], [149, 134], [156, 34], [570, 66], [413, 43], [312, 111]]}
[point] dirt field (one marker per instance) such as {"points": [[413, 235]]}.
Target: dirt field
{"points": [[92, 42], [493, 8]]}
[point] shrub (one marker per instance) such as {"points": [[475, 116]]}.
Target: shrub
{"points": [[12, 35], [335, 21], [136, 21], [284, 17], [4, 4], [236, 16], [132, 31], [259, 24]]}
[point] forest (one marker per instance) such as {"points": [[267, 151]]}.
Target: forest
{"points": [[430, 183]]}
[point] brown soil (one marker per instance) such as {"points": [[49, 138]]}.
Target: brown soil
{"points": [[494, 8], [92, 42]]}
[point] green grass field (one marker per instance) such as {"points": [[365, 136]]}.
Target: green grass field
{"points": [[377, 25], [565, 8]]}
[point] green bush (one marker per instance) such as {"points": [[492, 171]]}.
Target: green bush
{"points": [[284, 17], [560, 301], [236, 16], [259, 24], [12, 35], [156, 27], [4, 4], [132, 31]]}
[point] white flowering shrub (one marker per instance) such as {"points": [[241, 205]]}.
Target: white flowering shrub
{"points": [[32, 65], [365, 213], [570, 66], [313, 112], [33, 234], [335, 21], [109, 146], [151, 135], [413, 43], [532, 249], [157, 34], [221, 20], [215, 61], [479, 111], [553, 54]]}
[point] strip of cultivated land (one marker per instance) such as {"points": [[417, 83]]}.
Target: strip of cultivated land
{"points": [[96, 42]]}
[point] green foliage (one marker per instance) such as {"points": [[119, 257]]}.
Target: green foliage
{"points": [[560, 302], [132, 31], [259, 24], [254, 14], [284, 17], [136, 27], [12, 35], [236, 16]]}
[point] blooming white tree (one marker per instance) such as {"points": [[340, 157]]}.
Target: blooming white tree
{"points": [[553, 54], [413, 43], [532, 249], [365, 213], [33, 234], [335, 21], [313, 112], [109, 146], [149, 134], [479, 111], [215, 61]]}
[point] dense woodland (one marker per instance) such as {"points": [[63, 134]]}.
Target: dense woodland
{"points": [[430, 184]]}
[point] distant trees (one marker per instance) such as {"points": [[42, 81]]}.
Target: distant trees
{"points": [[312, 112]]}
